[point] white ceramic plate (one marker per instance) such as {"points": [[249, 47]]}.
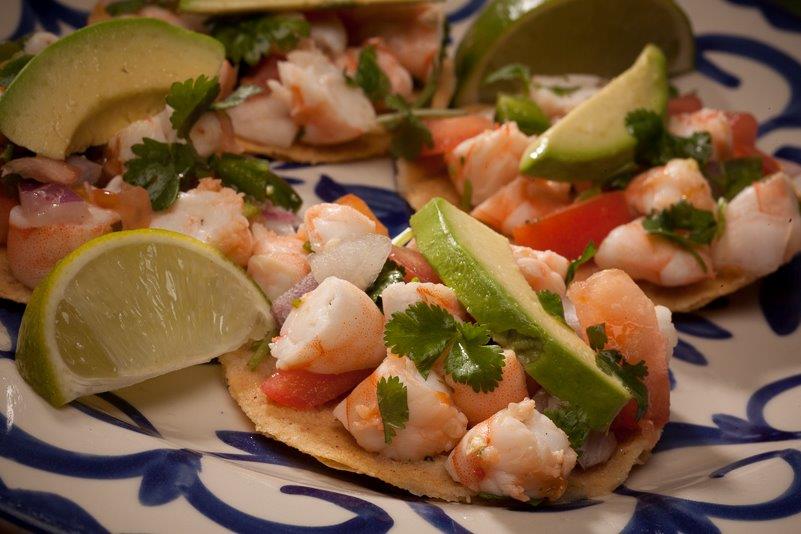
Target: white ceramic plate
{"points": [[176, 454]]}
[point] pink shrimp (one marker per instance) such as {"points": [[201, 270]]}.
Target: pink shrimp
{"points": [[520, 201]]}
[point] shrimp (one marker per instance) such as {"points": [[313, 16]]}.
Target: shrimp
{"points": [[320, 101], [38, 41], [399, 296], [542, 269], [434, 425], [713, 121], [520, 201], [661, 187], [44, 170], [328, 33], [518, 452], [652, 258], [335, 328], [487, 161], [762, 228], [119, 148], [632, 326], [478, 406], [213, 134], [399, 78], [33, 249], [265, 119], [278, 261], [558, 95], [212, 214], [325, 224]]}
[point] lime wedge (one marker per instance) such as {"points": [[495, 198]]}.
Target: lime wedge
{"points": [[129, 306], [601, 37], [237, 6]]}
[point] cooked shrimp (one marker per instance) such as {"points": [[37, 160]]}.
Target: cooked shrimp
{"points": [[762, 228], [330, 223], [333, 329], [713, 121], [478, 406], [399, 78], [558, 95], [320, 101], [487, 161], [33, 249], [434, 425], [518, 452], [661, 187], [278, 261], [397, 297], [652, 258], [264, 119], [632, 326], [520, 201], [38, 41], [543, 269], [227, 77], [157, 127], [44, 170], [212, 214], [328, 33], [213, 134]]}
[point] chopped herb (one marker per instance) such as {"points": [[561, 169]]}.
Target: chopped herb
{"points": [[551, 303], [307, 247], [393, 405], [189, 100], [684, 225], [250, 210], [296, 303], [613, 363], [737, 175], [586, 255], [657, 146], [620, 180], [563, 90], [11, 68], [424, 333], [673, 91], [242, 93], [261, 349], [9, 49], [253, 177], [596, 335], [587, 194], [523, 111], [391, 273], [369, 76], [720, 215], [409, 133], [466, 200], [163, 169], [514, 72], [248, 39], [573, 421]]}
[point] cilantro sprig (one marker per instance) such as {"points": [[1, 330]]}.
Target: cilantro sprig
{"points": [[424, 333], [685, 225], [656, 146], [736, 175], [242, 93], [409, 133], [514, 72], [393, 405], [253, 177], [586, 255], [573, 421], [248, 39], [189, 100], [391, 273], [369, 75]]}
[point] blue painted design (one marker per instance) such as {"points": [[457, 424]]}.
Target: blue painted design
{"points": [[780, 298], [10, 317], [773, 13], [465, 11], [387, 205], [671, 379], [49, 14], [792, 153], [437, 518], [729, 429], [134, 414], [687, 353], [43, 511], [554, 508], [289, 165], [666, 514], [699, 326]]}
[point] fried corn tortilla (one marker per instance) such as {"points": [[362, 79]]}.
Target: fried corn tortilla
{"points": [[318, 433], [420, 182]]}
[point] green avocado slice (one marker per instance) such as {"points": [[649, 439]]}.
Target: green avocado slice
{"points": [[87, 86], [591, 142], [477, 263]]}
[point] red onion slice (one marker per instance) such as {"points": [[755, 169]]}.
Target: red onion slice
{"points": [[283, 304], [51, 204], [88, 171]]}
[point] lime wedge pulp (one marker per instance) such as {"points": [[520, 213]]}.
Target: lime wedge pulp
{"points": [[132, 305], [601, 37]]}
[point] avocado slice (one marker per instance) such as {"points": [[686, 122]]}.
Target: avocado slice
{"points": [[477, 263], [591, 142], [218, 7], [87, 86]]}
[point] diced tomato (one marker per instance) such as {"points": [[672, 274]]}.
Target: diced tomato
{"points": [[361, 206], [568, 231], [687, 103], [415, 265], [305, 390], [448, 133], [626, 422], [744, 130]]}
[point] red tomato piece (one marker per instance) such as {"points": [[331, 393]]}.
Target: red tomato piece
{"points": [[688, 103], [448, 133], [744, 130], [304, 390], [568, 231], [415, 265]]}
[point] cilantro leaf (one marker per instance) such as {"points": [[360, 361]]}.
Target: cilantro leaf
{"points": [[162, 169], [261, 349], [409, 133], [656, 146], [369, 76], [470, 361], [612, 363], [242, 93], [253, 177], [738, 174], [466, 198], [189, 100], [572, 420], [563, 90], [586, 255], [596, 334], [422, 332], [685, 225], [551, 303], [391, 273], [248, 39], [393, 405], [514, 72], [11, 68]]}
